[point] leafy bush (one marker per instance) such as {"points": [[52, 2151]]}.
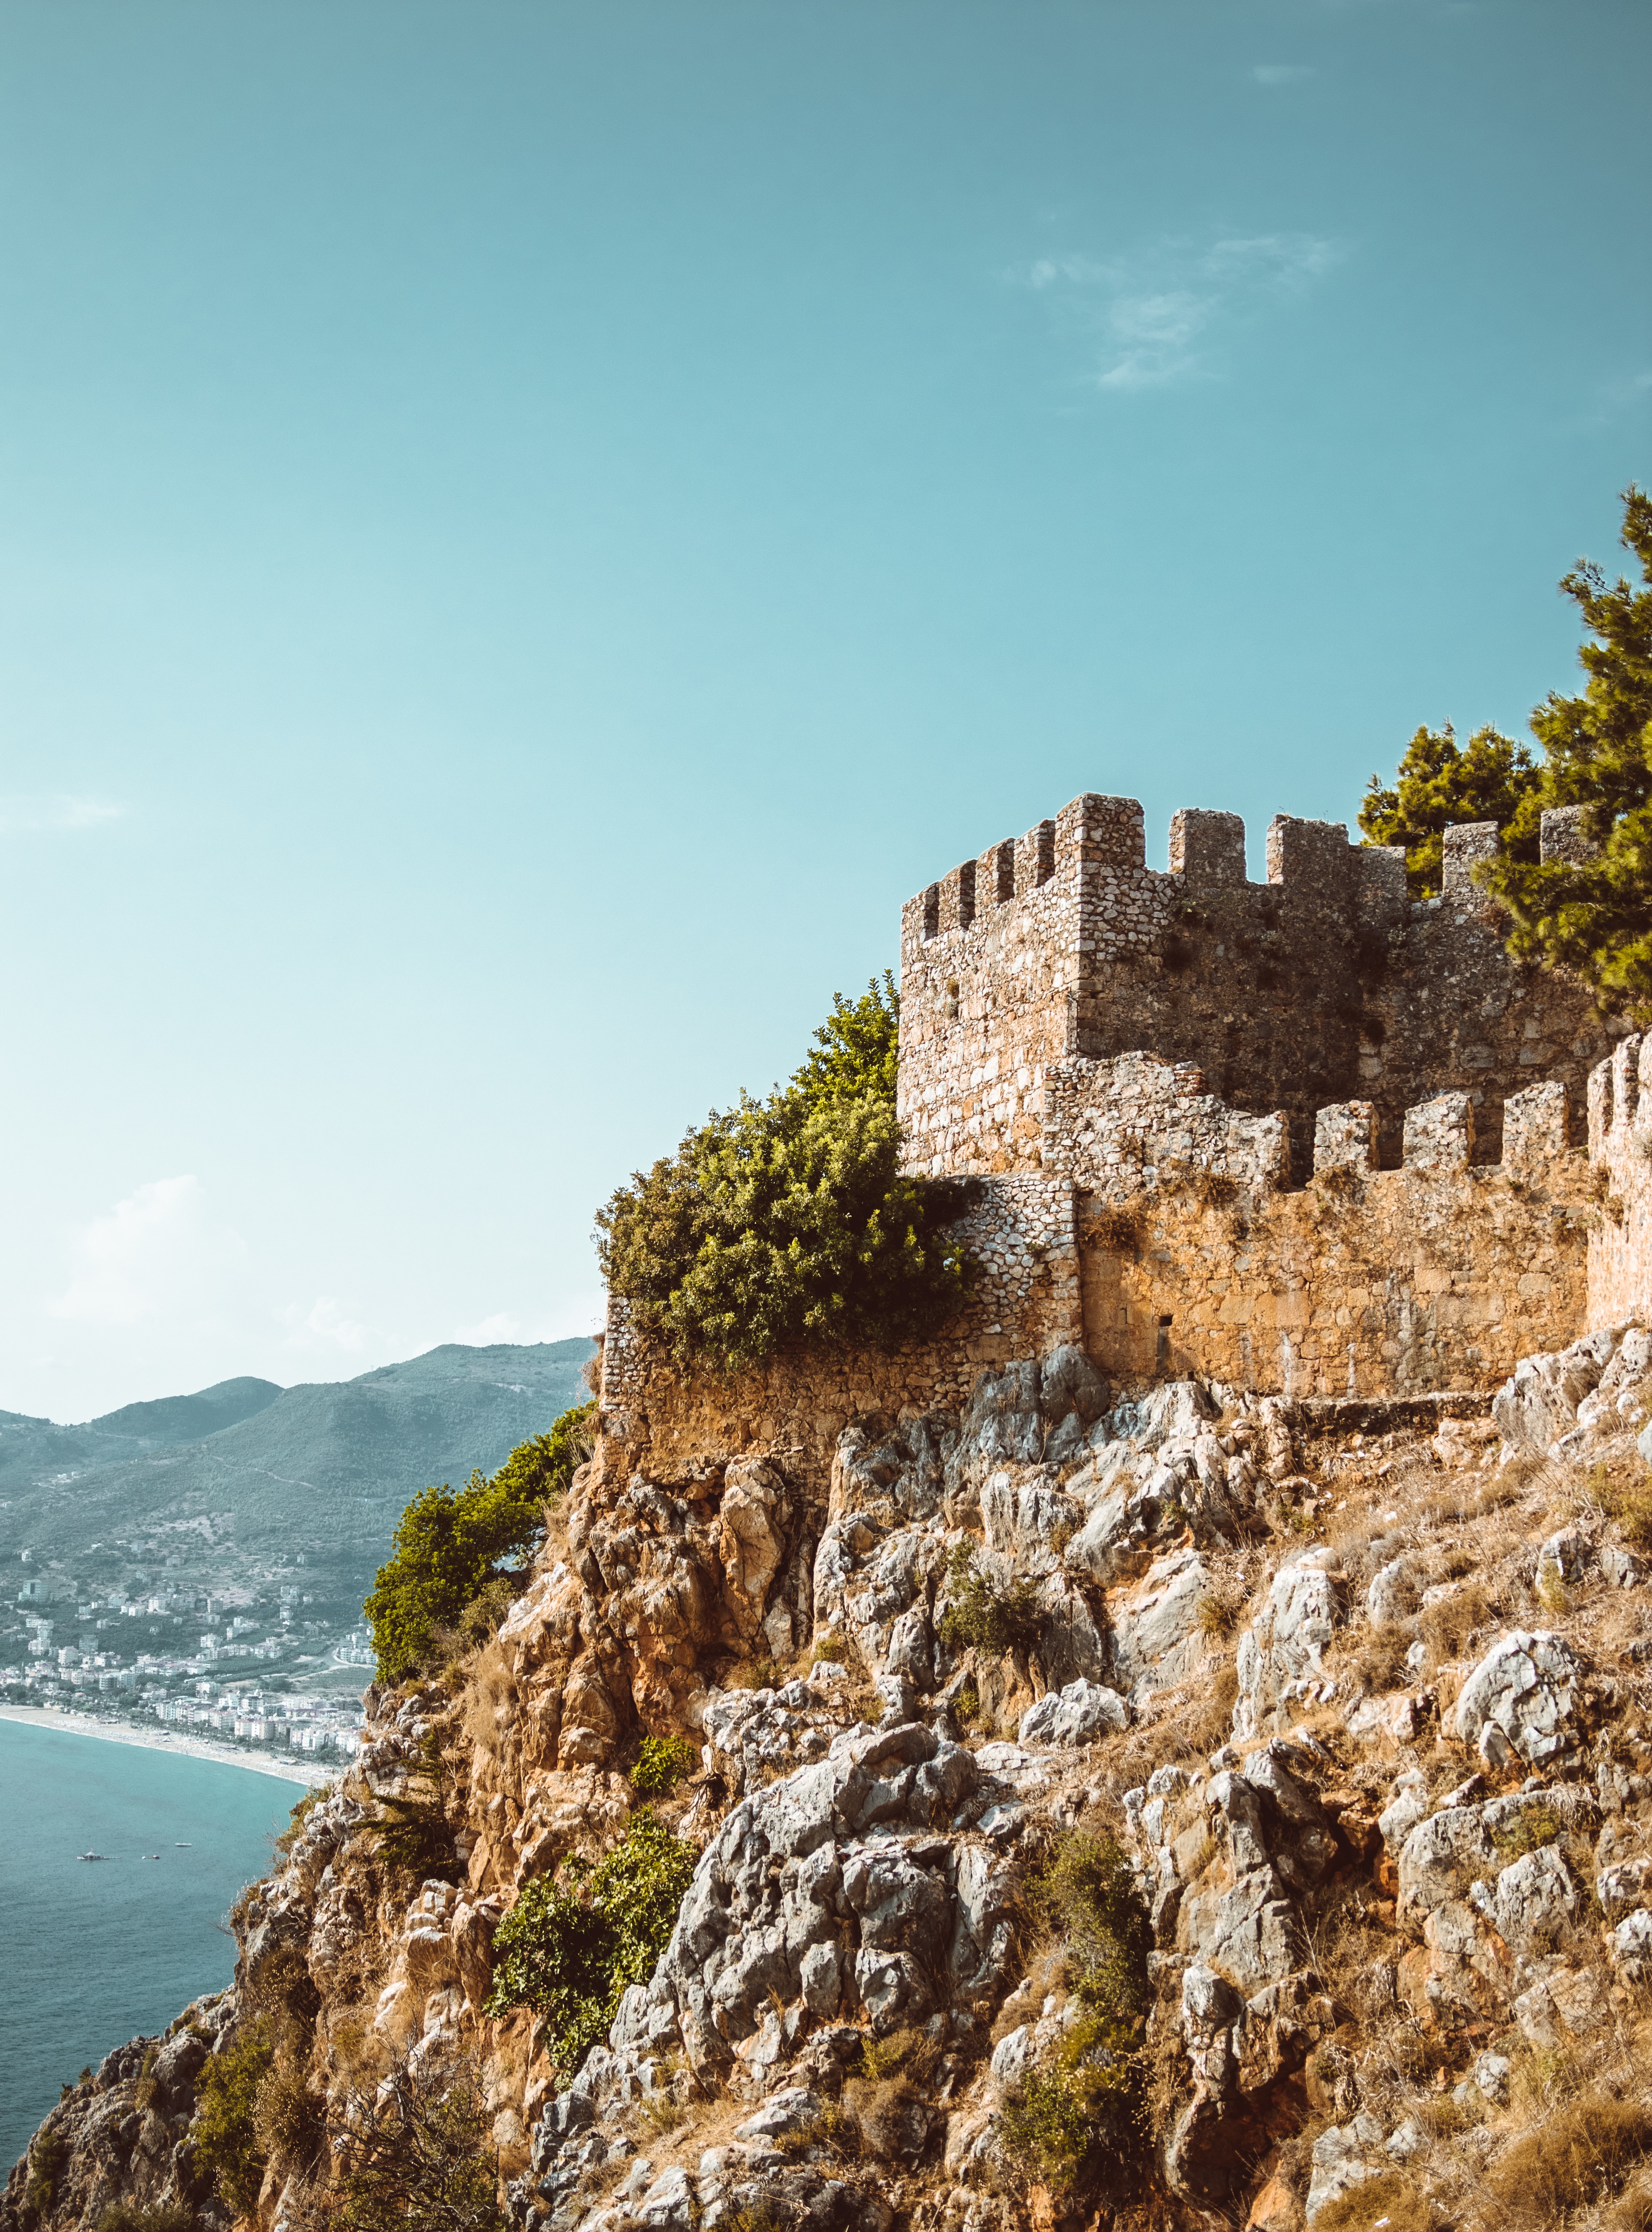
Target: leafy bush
{"points": [[662, 1763], [574, 1942], [788, 1219], [1079, 2110], [417, 2158], [987, 1617], [160, 2216], [225, 2130], [449, 1549], [296, 1820]]}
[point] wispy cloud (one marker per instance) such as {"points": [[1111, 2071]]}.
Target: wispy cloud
{"points": [[1633, 387], [157, 1253], [1157, 316], [1282, 72], [22, 813], [326, 1326]]}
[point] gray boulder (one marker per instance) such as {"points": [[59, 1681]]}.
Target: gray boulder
{"points": [[1345, 2157], [1178, 1409], [1526, 1685], [1157, 1640], [1538, 1406], [1532, 1902], [1282, 1654], [1076, 1714]]}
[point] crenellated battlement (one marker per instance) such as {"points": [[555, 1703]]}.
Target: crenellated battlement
{"points": [[1321, 985]]}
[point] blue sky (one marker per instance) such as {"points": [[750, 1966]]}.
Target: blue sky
{"points": [[525, 530]]}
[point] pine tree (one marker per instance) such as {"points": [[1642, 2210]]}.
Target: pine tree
{"points": [[1595, 918]]}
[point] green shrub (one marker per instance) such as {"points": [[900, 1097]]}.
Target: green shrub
{"points": [[985, 1618], [160, 2216], [1629, 1503], [831, 1651], [1531, 1828], [788, 1220], [662, 1763], [46, 2160], [574, 1943], [225, 2130], [1595, 916], [449, 1549], [1079, 2111]]}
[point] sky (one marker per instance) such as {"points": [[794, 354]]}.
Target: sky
{"points": [[525, 530]]}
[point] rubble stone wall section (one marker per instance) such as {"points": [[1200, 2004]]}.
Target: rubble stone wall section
{"points": [[1620, 1148], [1197, 1255], [1021, 1234], [1322, 983]]}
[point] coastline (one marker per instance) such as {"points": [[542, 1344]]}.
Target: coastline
{"points": [[166, 1739]]}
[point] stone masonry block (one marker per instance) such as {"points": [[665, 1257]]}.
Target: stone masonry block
{"points": [[1440, 1133], [1344, 1137], [1311, 855], [1110, 831], [1534, 1126], [1560, 836], [1626, 1081], [1464, 846], [1208, 848], [1600, 1106]]}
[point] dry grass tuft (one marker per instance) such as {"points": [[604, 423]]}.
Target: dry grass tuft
{"points": [[1372, 1658], [1447, 1627], [491, 1697], [1586, 2152], [1388, 2199]]}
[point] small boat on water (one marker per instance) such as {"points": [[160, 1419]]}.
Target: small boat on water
{"points": [[95, 1856], [180, 1844]]}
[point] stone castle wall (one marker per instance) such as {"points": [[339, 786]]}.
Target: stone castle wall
{"points": [[1166, 1238], [1305, 1137], [1322, 983], [1620, 1148], [1197, 1255]]}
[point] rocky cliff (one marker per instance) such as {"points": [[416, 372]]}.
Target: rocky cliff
{"points": [[1156, 1807]]}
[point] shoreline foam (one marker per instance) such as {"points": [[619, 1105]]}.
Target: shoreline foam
{"points": [[166, 1739]]}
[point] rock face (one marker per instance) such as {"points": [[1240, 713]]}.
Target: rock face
{"points": [[1524, 1690], [1060, 1608], [1579, 1396]]}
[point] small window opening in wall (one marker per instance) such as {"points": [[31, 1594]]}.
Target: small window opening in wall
{"points": [[932, 912], [1162, 1357], [949, 1006]]}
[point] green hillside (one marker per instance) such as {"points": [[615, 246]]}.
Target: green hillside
{"points": [[245, 1476]]}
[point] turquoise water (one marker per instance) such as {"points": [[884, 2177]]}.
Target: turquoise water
{"points": [[94, 1955]]}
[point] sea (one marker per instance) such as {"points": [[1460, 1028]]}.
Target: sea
{"points": [[97, 1952]]}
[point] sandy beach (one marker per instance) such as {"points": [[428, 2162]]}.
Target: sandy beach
{"points": [[161, 1738]]}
